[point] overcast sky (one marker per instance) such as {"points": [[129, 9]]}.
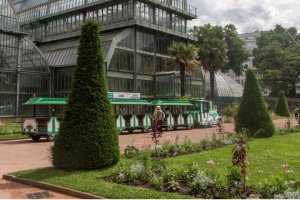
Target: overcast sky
{"points": [[248, 15]]}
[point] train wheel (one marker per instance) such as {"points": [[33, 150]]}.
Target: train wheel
{"points": [[35, 137], [50, 138]]}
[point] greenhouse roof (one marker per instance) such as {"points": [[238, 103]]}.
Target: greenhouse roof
{"points": [[65, 53], [225, 86]]}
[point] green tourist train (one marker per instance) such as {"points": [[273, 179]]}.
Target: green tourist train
{"points": [[132, 114]]}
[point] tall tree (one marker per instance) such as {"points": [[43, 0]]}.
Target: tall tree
{"points": [[277, 59], [213, 50], [253, 114], [237, 54], [87, 137], [184, 56]]}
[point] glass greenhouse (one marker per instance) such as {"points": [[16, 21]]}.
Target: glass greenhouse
{"points": [[23, 69], [136, 36], [227, 90]]}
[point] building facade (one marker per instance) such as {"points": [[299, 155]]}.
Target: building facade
{"points": [[136, 36], [250, 45], [23, 68]]}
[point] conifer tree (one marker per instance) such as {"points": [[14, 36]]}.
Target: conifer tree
{"points": [[253, 114], [87, 137], [282, 108]]}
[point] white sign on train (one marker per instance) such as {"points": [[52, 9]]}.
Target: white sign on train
{"points": [[124, 95]]}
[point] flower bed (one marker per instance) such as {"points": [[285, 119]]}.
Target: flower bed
{"points": [[154, 174], [167, 149]]}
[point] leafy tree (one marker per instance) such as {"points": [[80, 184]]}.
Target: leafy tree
{"points": [[87, 138], [213, 50], [237, 54], [185, 57], [253, 114], [277, 59], [282, 108]]}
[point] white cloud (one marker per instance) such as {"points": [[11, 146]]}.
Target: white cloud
{"points": [[248, 15]]}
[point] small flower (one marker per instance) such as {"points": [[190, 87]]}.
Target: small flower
{"points": [[289, 171], [210, 162], [246, 161], [285, 165]]}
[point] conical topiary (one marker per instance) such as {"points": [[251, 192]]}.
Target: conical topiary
{"points": [[282, 108], [252, 113], [87, 138]]}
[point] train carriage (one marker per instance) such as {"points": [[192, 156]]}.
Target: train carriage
{"points": [[132, 114], [43, 126], [178, 114]]}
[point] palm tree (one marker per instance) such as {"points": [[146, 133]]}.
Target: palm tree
{"points": [[212, 61], [186, 57], [213, 52]]}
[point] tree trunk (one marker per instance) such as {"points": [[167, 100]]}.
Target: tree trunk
{"points": [[212, 85], [182, 79]]}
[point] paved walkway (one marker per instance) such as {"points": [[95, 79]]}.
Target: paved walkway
{"points": [[25, 154]]}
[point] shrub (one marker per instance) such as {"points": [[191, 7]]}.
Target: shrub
{"points": [[136, 171], [157, 182], [233, 176], [271, 187], [231, 110], [252, 113], [172, 184], [189, 174], [87, 138], [288, 194], [282, 108], [131, 152]]}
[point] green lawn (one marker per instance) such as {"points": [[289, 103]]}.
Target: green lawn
{"points": [[11, 131], [265, 155], [10, 128]]}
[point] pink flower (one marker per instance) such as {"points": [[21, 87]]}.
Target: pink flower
{"points": [[246, 161], [210, 162], [285, 165]]}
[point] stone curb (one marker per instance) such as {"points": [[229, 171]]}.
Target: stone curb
{"points": [[52, 187]]}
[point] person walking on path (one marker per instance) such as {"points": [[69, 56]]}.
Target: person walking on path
{"points": [[296, 112], [158, 117]]}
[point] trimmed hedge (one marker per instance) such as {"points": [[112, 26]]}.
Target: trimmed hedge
{"points": [[87, 138], [282, 108], [253, 114]]}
